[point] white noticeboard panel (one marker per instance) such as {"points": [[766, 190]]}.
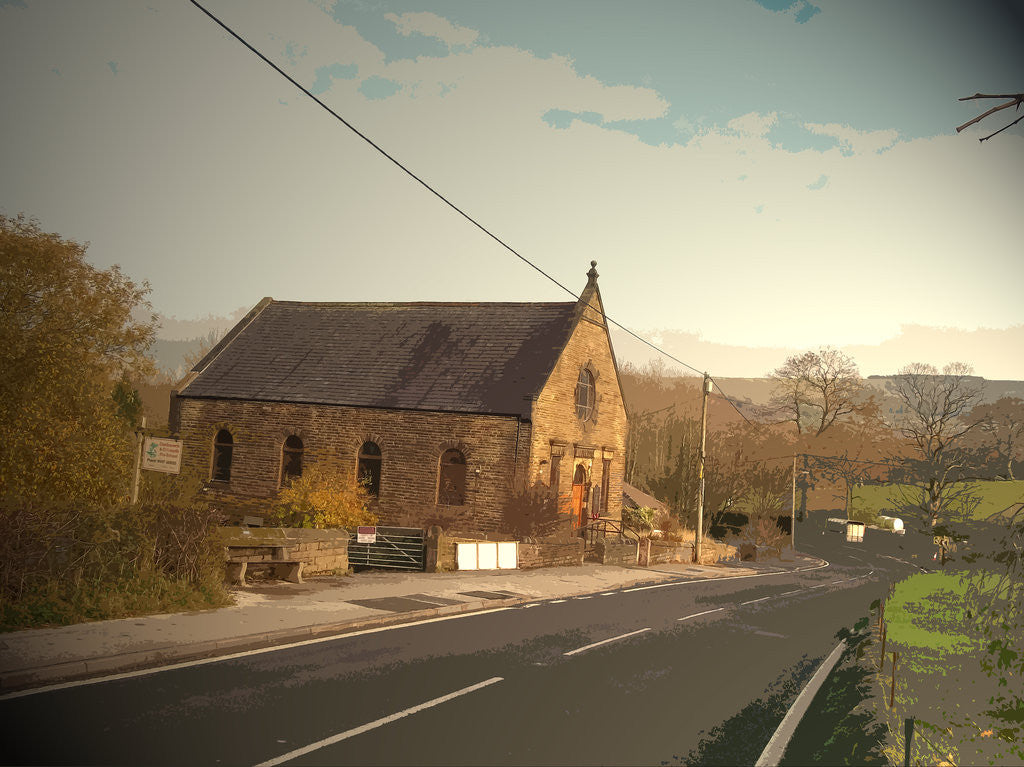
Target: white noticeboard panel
{"points": [[366, 534], [465, 556], [508, 555], [161, 455], [487, 556]]}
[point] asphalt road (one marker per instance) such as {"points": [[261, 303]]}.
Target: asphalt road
{"points": [[635, 676]]}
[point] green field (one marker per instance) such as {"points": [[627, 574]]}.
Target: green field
{"points": [[995, 496], [927, 611], [948, 676]]}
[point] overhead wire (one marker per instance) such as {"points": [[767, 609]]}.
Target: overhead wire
{"points": [[448, 202]]}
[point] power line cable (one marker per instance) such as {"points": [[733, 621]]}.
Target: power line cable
{"points": [[444, 199]]}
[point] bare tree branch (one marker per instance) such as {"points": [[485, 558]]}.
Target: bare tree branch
{"points": [[1015, 100], [990, 96], [1001, 129]]}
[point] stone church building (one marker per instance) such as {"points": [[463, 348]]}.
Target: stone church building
{"points": [[441, 408]]}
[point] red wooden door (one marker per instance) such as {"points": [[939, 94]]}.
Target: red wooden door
{"points": [[579, 491]]}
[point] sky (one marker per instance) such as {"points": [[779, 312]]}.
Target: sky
{"points": [[754, 178]]}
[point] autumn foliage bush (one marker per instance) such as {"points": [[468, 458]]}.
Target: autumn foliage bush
{"points": [[322, 498]]}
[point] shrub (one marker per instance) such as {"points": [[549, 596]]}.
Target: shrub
{"points": [[531, 511], [640, 519], [322, 498], [66, 565]]}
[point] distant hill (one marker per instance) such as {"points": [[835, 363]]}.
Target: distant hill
{"points": [[752, 394]]}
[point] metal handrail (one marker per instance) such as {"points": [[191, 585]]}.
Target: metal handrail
{"points": [[603, 524]]}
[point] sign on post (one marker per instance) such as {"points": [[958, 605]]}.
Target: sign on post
{"points": [[160, 454], [366, 534]]}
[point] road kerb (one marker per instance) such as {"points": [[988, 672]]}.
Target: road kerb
{"points": [[776, 747]]}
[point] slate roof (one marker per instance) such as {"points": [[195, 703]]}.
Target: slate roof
{"points": [[634, 498], [461, 357]]}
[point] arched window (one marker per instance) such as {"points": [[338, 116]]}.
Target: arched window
{"points": [[291, 459], [585, 395], [451, 480], [222, 447], [368, 468]]}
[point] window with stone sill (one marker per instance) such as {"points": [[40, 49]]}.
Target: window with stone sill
{"points": [[223, 444], [585, 395], [368, 468], [451, 480], [291, 459]]}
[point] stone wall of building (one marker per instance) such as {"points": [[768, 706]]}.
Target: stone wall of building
{"points": [[559, 432], [411, 444]]}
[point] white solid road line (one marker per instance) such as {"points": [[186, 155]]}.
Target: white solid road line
{"points": [[233, 656], [752, 601], [696, 615], [605, 641], [375, 724], [556, 601], [773, 752]]}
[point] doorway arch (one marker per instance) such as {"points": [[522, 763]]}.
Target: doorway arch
{"points": [[580, 485]]}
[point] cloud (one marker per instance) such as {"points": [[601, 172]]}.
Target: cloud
{"points": [[802, 10], [325, 75], [432, 25], [753, 124], [377, 87], [853, 141]]}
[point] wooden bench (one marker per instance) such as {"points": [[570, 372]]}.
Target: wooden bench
{"points": [[240, 556]]}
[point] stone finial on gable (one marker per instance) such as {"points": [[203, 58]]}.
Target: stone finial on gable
{"points": [[590, 305]]}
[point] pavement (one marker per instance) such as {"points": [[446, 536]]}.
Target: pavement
{"points": [[276, 612]]}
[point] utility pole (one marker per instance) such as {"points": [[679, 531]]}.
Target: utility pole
{"points": [[700, 470], [792, 519], [140, 437]]}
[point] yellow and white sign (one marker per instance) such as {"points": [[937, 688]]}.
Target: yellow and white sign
{"points": [[161, 455]]}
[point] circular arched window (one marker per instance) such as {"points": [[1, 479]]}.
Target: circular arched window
{"points": [[585, 395]]}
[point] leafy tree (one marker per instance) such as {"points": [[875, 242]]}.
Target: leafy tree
{"points": [[816, 388], [935, 423], [67, 336]]}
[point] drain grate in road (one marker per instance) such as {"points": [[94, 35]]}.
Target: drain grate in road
{"points": [[490, 594]]}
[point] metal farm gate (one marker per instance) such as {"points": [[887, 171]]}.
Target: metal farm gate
{"points": [[396, 548]]}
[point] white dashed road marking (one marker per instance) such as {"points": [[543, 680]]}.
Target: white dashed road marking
{"points": [[375, 724], [605, 641], [697, 615]]}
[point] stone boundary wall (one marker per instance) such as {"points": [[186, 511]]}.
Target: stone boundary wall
{"points": [[659, 552], [321, 551], [718, 551], [564, 553], [612, 551]]}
